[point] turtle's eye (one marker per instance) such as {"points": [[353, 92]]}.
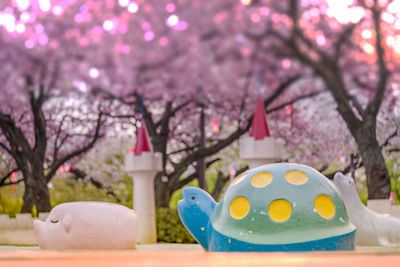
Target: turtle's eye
{"points": [[54, 221], [193, 197]]}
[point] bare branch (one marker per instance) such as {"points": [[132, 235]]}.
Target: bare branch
{"points": [[222, 143], [205, 152], [281, 89], [11, 183], [348, 168], [374, 106], [56, 147], [79, 174], [181, 106], [343, 37], [193, 176], [301, 97], [109, 96], [357, 105], [164, 121], [390, 137], [5, 177], [8, 150], [58, 163], [188, 148]]}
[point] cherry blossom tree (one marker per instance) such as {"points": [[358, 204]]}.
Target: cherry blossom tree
{"points": [[350, 46], [46, 118]]}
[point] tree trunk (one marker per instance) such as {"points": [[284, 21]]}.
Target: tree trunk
{"points": [[162, 192], [378, 179], [36, 190], [219, 186], [201, 163], [28, 198], [42, 199], [363, 131]]}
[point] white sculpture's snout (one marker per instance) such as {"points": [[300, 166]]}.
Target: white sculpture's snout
{"points": [[37, 224], [37, 227]]}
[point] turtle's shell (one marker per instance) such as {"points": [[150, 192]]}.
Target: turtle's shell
{"points": [[281, 203]]}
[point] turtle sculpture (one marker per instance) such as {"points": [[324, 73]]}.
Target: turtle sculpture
{"points": [[275, 207]]}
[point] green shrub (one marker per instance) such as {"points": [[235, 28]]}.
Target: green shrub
{"points": [[170, 228], [67, 190], [11, 200]]}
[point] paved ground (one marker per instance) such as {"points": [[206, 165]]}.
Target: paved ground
{"points": [[192, 255]]}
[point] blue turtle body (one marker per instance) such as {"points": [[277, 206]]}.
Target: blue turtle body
{"points": [[270, 208]]}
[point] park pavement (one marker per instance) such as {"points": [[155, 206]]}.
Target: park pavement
{"points": [[176, 255]]}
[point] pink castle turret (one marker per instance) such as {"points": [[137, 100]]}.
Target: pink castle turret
{"points": [[143, 165], [258, 147], [142, 141], [259, 127]]}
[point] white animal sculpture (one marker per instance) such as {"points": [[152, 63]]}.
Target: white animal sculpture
{"points": [[87, 225], [373, 229]]}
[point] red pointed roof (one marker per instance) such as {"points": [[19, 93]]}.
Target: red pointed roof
{"points": [[259, 127], [142, 141]]}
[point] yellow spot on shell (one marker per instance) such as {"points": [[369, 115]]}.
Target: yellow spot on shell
{"points": [[280, 210], [325, 206], [239, 179], [239, 207], [261, 179], [296, 177]]}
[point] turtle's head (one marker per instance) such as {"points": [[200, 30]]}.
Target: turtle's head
{"points": [[195, 210]]}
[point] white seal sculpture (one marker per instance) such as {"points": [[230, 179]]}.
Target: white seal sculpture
{"points": [[373, 229], [87, 225]]}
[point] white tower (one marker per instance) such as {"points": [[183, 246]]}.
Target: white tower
{"points": [[258, 147], [143, 165]]}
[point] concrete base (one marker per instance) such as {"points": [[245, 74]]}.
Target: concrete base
{"points": [[19, 230], [18, 237]]}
